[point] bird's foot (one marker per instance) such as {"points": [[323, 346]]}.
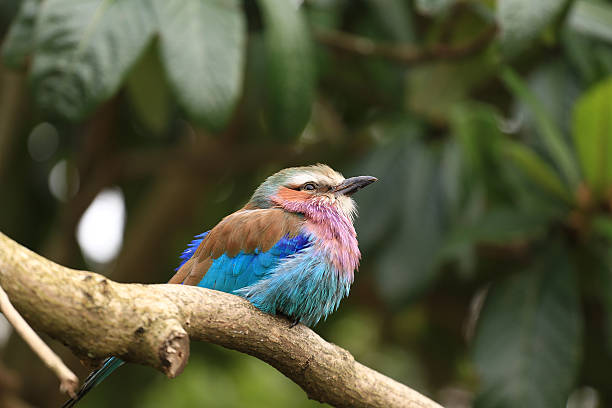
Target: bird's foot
{"points": [[295, 323]]}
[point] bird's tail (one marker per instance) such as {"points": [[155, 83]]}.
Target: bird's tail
{"points": [[95, 378]]}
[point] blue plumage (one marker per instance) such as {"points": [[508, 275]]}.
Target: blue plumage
{"points": [[228, 274], [191, 248], [302, 286]]}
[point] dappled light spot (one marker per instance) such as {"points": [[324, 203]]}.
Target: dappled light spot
{"points": [[64, 180], [100, 230], [584, 397], [43, 141]]}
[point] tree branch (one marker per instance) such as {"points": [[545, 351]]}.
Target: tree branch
{"points": [[404, 53], [150, 324]]}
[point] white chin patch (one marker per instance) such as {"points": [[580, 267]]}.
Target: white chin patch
{"points": [[347, 206]]}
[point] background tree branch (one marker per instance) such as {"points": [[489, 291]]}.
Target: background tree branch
{"points": [[404, 53], [152, 324]]}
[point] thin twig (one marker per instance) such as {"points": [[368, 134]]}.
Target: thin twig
{"points": [[68, 381], [404, 53]]}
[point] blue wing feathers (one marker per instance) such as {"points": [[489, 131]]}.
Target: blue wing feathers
{"points": [[228, 274], [191, 248]]}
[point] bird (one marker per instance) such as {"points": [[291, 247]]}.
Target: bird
{"points": [[291, 250]]}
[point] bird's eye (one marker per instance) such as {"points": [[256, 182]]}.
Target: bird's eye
{"points": [[309, 187]]}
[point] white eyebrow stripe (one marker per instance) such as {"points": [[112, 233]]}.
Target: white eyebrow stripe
{"points": [[301, 179], [315, 178]]}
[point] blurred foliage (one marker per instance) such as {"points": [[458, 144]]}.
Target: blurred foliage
{"points": [[487, 272]]}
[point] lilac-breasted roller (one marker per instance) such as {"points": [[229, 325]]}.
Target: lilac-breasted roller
{"points": [[291, 250]]}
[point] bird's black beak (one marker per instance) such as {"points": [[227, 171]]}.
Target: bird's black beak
{"points": [[351, 185]]}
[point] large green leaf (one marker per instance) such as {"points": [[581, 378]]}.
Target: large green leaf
{"points": [[592, 132], [579, 51], [149, 93], [409, 265], [477, 129], [407, 230], [19, 42], [476, 126], [386, 162], [404, 231], [552, 139], [396, 17], [522, 21], [290, 65], [433, 7], [435, 88], [602, 226], [497, 226], [536, 169], [202, 47], [556, 88], [528, 339], [593, 18], [84, 49]]}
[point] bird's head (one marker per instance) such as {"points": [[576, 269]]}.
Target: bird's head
{"points": [[309, 190]]}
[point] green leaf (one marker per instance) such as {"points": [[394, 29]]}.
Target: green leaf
{"points": [[593, 18], [556, 88], [592, 132], [528, 339], [501, 226], [602, 225], [387, 161], [552, 139], [579, 52], [290, 64], [536, 169], [476, 127], [19, 42], [433, 7], [84, 49], [202, 47], [396, 17], [521, 21], [148, 92], [434, 89], [452, 176], [409, 264], [407, 228], [498, 226]]}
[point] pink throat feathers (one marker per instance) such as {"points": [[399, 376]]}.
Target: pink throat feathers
{"points": [[336, 235]]}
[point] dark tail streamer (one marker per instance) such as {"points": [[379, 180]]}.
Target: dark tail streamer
{"points": [[95, 378]]}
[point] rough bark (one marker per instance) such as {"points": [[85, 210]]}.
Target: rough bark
{"points": [[152, 324]]}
